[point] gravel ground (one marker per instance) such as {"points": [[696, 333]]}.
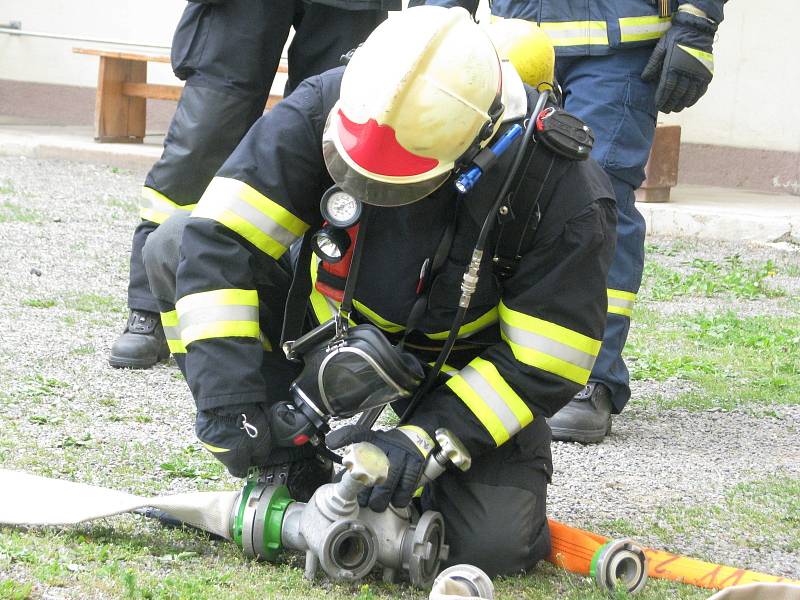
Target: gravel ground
{"points": [[65, 233]]}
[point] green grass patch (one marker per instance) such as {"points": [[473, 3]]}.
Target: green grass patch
{"points": [[762, 515], [101, 303], [701, 277], [11, 590], [731, 361], [7, 187], [14, 213], [40, 302], [193, 463]]}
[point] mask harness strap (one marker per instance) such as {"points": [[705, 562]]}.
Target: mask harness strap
{"points": [[346, 305]]}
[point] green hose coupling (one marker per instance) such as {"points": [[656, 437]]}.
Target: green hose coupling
{"points": [[257, 519]]}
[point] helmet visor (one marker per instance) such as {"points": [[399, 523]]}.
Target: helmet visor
{"points": [[369, 190]]}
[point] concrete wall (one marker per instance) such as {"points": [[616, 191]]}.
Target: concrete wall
{"points": [[751, 103]]}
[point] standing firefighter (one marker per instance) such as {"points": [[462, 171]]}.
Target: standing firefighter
{"points": [[227, 51], [619, 62], [410, 113]]}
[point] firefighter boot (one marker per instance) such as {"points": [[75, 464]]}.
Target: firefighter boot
{"points": [[142, 344], [587, 417]]}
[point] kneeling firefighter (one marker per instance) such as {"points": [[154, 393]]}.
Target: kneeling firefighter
{"points": [[460, 168]]}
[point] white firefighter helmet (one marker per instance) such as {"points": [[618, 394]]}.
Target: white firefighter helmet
{"points": [[423, 89]]}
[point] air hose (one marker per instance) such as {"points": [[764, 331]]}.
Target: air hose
{"points": [[613, 563]]}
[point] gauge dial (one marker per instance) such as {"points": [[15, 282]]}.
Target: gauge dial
{"points": [[340, 208]]}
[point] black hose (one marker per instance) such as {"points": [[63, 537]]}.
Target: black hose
{"points": [[458, 320]]}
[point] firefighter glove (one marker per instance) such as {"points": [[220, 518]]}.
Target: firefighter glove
{"points": [[407, 448], [238, 436], [682, 62]]}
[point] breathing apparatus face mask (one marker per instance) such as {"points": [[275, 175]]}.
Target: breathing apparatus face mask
{"points": [[353, 371]]}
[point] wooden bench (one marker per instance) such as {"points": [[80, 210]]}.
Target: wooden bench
{"points": [[122, 91]]}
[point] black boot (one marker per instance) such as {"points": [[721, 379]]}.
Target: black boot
{"points": [[587, 417], [142, 344]]}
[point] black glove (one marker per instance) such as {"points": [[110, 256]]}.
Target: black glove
{"points": [[407, 449], [682, 62], [238, 436]]}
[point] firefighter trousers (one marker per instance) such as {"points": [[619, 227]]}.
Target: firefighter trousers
{"points": [[608, 93], [228, 54]]}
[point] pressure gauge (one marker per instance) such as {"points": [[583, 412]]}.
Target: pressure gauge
{"points": [[339, 208]]}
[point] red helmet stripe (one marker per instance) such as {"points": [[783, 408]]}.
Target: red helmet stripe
{"points": [[374, 147]]}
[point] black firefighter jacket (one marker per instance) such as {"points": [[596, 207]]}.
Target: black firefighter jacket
{"points": [[528, 343]]}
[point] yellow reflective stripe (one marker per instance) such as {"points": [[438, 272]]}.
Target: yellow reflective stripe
{"points": [[376, 319], [239, 207], [216, 298], [517, 405], [218, 313], [621, 302], [324, 308], [496, 405], [485, 320], [219, 329], [548, 346], [419, 437], [214, 449], [156, 207], [446, 369], [639, 29], [577, 33], [172, 331], [705, 58]]}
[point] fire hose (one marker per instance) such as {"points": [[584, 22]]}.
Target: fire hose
{"points": [[343, 539]]}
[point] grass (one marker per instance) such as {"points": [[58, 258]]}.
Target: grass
{"points": [[14, 213], [40, 302], [192, 463], [706, 278], [763, 514], [731, 361], [99, 303]]}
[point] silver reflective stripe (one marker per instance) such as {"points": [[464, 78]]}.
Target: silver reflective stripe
{"points": [[212, 314], [246, 211], [492, 399], [637, 29], [621, 303], [172, 333], [547, 346]]}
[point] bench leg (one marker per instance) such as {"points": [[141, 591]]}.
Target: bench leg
{"points": [[661, 171], [119, 118]]}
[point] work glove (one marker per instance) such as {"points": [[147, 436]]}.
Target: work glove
{"points": [[682, 62], [407, 448], [238, 436]]}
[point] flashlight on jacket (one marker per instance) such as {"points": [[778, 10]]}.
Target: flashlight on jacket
{"points": [[486, 158]]}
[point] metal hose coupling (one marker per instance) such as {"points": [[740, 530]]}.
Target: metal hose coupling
{"points": [[469, 283], [338, 536], [620, 564], [462, 582]]}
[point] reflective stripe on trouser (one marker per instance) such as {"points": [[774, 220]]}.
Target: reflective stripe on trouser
{"points": [[249, 213], [608, 93], [172, 331], [156, 207], [207, 126], [621, 302], [218, 314], [494, 513], [493, 402]]}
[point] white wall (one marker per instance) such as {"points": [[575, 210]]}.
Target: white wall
{"points": [[52, 61], [751, 103], [753, 100]]}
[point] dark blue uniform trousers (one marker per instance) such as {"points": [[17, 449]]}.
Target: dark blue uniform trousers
{"points": [[608, 93]]}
